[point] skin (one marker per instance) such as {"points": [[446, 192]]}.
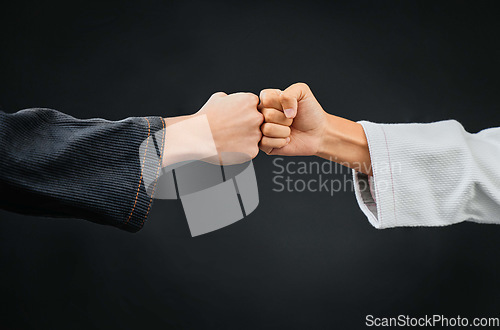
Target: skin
{"points": [[295, 124], [289, 123], [234, 126]]}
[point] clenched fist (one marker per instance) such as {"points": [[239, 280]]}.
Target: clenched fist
{"points": [[294, 121], [295, 124], [226, 130], [234, 122]]}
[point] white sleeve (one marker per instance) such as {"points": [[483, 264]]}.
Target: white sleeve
{"points": [[430, 175]]}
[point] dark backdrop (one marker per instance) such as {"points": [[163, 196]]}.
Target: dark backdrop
{"points": [[301, 260]]}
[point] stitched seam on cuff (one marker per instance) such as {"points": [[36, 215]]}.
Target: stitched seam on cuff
{"points": [[392, 179], [157, 171], [374, 169], [140, 178]]}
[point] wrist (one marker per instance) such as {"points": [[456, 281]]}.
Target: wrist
{"points": [[330, 137], [344, 141], [187, 138]]}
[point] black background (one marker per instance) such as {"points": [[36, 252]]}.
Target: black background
{"points": [[301, 260]]}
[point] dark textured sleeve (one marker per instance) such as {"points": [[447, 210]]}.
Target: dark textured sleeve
{"points": [[52, 164]]}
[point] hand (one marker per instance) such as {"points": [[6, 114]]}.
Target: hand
{"points": [[294, 121], [234, 122], [226, 130], [296, 125]]}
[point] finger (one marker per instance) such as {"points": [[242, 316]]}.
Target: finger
{"points": [[267, 143], [270, 98], [276, 117], [267, 150], [291, 97], [275, 130]]}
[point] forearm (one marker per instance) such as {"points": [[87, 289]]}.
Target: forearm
{"points": [[344, 142]]}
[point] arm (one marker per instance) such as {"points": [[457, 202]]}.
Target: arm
{"points": [[430, 175], [404, 174], [52, 164], [344, 142]]}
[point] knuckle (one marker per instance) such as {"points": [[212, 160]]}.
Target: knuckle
{"points": [[264, 94], [267, 96], [285, 97], [252, 98], [259, 118], [255, 151], [302, 85], [269, 116], [218, 94], [265, 146], [266, 129]]}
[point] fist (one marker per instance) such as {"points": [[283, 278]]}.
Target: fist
{"points": [[294, 121], [234, 122]]}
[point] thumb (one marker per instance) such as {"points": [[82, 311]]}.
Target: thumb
{"points": [[291, 97]]}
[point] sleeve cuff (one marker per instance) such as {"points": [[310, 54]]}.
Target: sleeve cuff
{"points": [[375, 194], [150, 157]]}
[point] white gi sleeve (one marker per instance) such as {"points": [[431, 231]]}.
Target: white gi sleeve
{"points": [[430, 175]]}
